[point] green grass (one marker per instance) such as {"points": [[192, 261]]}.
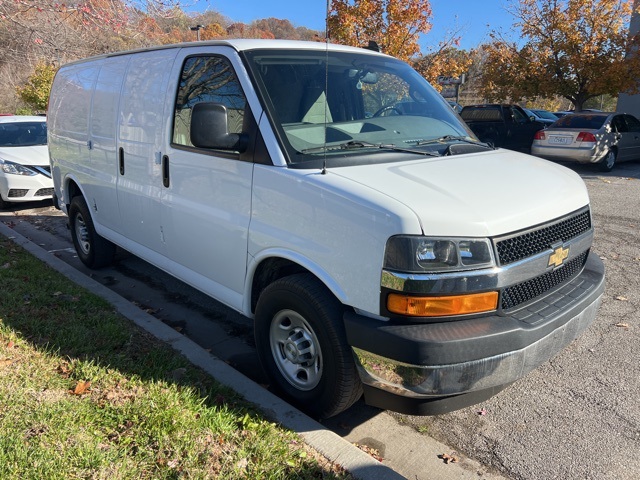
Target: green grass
{"points": [[86, 394]]}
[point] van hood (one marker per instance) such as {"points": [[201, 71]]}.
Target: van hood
{"points": [[477, 195], [37, 155]]}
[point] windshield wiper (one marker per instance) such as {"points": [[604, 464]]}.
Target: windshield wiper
{"points": [[353, 144], [452, 138]]}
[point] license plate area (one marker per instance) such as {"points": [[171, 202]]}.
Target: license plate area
{"points": [[560, 140]]}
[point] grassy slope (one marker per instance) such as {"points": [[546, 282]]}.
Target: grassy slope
{"points": [[86, 394]]}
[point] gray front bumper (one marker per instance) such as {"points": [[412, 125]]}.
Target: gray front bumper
{"points": [[427, 360]]}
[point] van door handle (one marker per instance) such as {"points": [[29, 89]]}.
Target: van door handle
{"points": [[121, 160], [165, 170]]}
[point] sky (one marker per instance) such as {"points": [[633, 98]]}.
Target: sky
{"points": [[473, 18]]}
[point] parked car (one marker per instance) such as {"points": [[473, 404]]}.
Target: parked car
{"points": [[543, 116], [591, 137], [25, 174], [562, 113], [507, 126]]}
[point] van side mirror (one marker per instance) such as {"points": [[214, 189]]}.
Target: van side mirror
{"points": [[210, 128]]}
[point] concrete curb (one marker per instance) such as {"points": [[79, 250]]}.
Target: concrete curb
{"points": [[332, 446]]}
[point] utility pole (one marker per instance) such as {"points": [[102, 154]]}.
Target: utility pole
{"points": [[197, 30]]}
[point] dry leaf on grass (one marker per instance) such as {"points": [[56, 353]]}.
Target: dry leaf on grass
{"points": [[81, 388], [5, 363]]}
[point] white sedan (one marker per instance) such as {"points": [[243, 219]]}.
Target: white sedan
{"points": [[25, 173], [590, 137]]}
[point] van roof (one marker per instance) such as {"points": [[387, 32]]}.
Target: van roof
{"points": [[243, 44]]}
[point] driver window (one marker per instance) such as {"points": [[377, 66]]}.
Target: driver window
{"points": [[207, 79]]}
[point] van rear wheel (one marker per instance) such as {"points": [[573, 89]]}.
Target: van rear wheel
{"points": [[93, 250], [302, 345]]}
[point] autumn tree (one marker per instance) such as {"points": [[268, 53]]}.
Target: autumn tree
{"points": [[575, 49], [447, 61], [395, 25], [35, 92]]}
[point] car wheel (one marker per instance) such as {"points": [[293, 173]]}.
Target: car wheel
{"points": [[3, 204], [92, 249], [302, 345], [607, 163]]}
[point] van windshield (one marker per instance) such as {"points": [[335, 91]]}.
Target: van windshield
{"points": [[350, 106]]}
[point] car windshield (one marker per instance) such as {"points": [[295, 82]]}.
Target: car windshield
{"points": [[592, 122], [23, 134], [345, 105], [545, 114]]}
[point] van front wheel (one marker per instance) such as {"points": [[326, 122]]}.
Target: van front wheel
{"points": [[303, 348], [92, 249]]}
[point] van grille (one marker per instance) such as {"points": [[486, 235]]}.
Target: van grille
{"points": [[525, 291], [532, 242]]}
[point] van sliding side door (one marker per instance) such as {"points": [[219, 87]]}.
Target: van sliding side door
{"points": [[140, 129]]}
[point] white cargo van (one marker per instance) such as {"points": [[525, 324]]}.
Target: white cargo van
{"points": [[333, 196]]}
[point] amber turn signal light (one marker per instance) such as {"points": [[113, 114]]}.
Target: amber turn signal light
{"points": [[442, 306]]}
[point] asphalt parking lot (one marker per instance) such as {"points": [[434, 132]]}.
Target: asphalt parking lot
{"points": [[576, 417]]}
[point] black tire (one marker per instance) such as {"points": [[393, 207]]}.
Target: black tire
{"points": [[608, 162], [302, 345], [3, 204], [92, 249]]}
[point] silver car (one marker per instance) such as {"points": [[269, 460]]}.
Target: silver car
{"points": [[590, 137]]}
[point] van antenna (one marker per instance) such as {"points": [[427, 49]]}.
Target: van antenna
{"points": [[326, 86]]}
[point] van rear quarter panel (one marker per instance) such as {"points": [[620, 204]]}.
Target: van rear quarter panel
{"points": [[68, 127]]}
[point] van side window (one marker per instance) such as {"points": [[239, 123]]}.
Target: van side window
{"points": [[207, 79]]}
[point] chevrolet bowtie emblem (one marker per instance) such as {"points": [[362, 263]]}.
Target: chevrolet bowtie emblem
{"points": [[558, 256]]}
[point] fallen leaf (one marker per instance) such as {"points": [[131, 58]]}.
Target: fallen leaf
{"points": [[64, 369], [5, 363], [10, 344], [371, 451], [81, 388], [622, 325], [449, 458], [606, 181], [621, 298]]}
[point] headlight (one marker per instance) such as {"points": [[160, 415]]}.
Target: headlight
{"points": [[413, 254], [16, 168]]}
